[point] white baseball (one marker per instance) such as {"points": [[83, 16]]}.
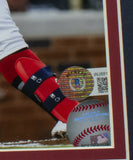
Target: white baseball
{"points": [[88, 124]]}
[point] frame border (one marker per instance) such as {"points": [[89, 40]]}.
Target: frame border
{"points": [[115, 61]]}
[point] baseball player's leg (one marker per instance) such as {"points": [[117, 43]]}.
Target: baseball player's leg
{"points": [[37, 82], [10, 38]]}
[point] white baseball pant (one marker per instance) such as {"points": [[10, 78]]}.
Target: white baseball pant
{"points": [[10, 38]]}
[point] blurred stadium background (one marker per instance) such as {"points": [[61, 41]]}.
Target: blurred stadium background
{"points": [[62, 33]]}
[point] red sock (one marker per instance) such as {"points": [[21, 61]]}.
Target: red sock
{"points": [[7, 64], [26, 72]]}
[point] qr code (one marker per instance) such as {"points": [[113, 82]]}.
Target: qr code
{"points": [[102, 84]]}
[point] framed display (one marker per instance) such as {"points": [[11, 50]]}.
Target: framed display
{"points": [[118, 147]]}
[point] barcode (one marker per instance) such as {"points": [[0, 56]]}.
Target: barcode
{"points": [[102, 84]]}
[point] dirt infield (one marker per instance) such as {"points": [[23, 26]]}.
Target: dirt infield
{"points": [[47, 143]]}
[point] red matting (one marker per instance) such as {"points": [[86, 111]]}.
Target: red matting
{"points": [[119, 150]]}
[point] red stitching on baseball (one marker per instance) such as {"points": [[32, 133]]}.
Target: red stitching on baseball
{"points": [[86, 107], [95, 128], [98, 127], [102, 127], [83, 108], [85, 132], [90, 106], [88, 131]]}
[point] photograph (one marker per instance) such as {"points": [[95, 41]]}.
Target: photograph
{"points": [[62, 80]]}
